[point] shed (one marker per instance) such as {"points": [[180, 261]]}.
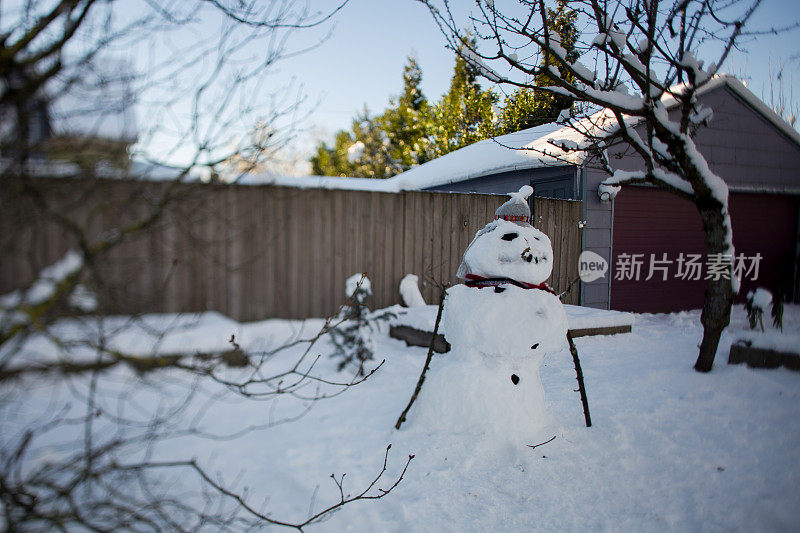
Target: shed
{"points": [[746, 143]]}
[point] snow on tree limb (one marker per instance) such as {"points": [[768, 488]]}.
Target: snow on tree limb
{"points": [[46, 283], [472, 57]]}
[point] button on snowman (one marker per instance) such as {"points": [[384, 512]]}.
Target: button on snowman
{"points": [[500, 324]]}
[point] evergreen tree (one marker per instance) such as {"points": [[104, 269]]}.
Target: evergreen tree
{"points": [[392, 142], [464, 115], [333, 161], [375, 160], [563, 21], [363, 152], [523, 109], [407, 120]]}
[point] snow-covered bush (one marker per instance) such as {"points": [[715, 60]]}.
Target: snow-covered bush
{"points": [[353, 334], [757, 302]]}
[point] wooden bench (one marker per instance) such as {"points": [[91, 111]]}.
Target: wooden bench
{"points": [[417, 337]]}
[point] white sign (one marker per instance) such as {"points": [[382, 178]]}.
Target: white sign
{"points": [[591, 266]]}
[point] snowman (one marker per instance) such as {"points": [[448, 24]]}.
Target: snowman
{"points": [[500, 325]]}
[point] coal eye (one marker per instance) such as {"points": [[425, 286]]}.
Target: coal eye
{"points": [[537, 238], [510, 236]]}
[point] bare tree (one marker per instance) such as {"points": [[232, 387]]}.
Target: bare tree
{"points": [[640, 71], [85, 422]]}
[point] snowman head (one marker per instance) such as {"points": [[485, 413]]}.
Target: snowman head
{"points": [[509, 247]]}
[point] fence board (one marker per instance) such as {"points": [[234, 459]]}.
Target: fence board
{"points": [[376, 271], [261, 264], [340, 238], [280, 251], [323, 255]]}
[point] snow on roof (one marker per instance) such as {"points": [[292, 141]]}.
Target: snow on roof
{"points": [[489, 156], [603, 123]]}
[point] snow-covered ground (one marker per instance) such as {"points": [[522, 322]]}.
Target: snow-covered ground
{"points": [[670, 449]]}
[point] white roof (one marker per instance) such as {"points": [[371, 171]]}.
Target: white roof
{"points": [[490, 156]]}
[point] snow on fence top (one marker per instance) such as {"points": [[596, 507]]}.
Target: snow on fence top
{"points": [[320, 182]]}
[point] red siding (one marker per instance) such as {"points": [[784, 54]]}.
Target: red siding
{"points": [[649, 221]]}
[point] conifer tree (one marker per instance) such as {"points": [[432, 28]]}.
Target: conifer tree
{"points": [[407, 120], [363, 152], [465, 114], [375, 159], [563, 21], [522, 109], [333, 161]]}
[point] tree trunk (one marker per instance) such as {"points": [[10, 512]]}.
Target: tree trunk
{"points": [[708, 347], [719, 295]]}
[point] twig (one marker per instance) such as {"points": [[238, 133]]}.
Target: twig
{"points": [[421, 380], [569, 287], [532, 446], [241, 498], [579, 373]]}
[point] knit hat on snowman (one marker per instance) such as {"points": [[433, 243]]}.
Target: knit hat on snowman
{"points": [[509, 249], [516, 209]]}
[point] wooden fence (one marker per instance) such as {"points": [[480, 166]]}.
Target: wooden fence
{"points": [[254, 252]]}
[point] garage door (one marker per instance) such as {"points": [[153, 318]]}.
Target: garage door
{"points": [[652, 228]]}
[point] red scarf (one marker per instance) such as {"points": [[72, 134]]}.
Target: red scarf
{"points": [[480, 282]]}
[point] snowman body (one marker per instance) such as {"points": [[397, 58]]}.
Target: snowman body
{"points": [[500, 325]]}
